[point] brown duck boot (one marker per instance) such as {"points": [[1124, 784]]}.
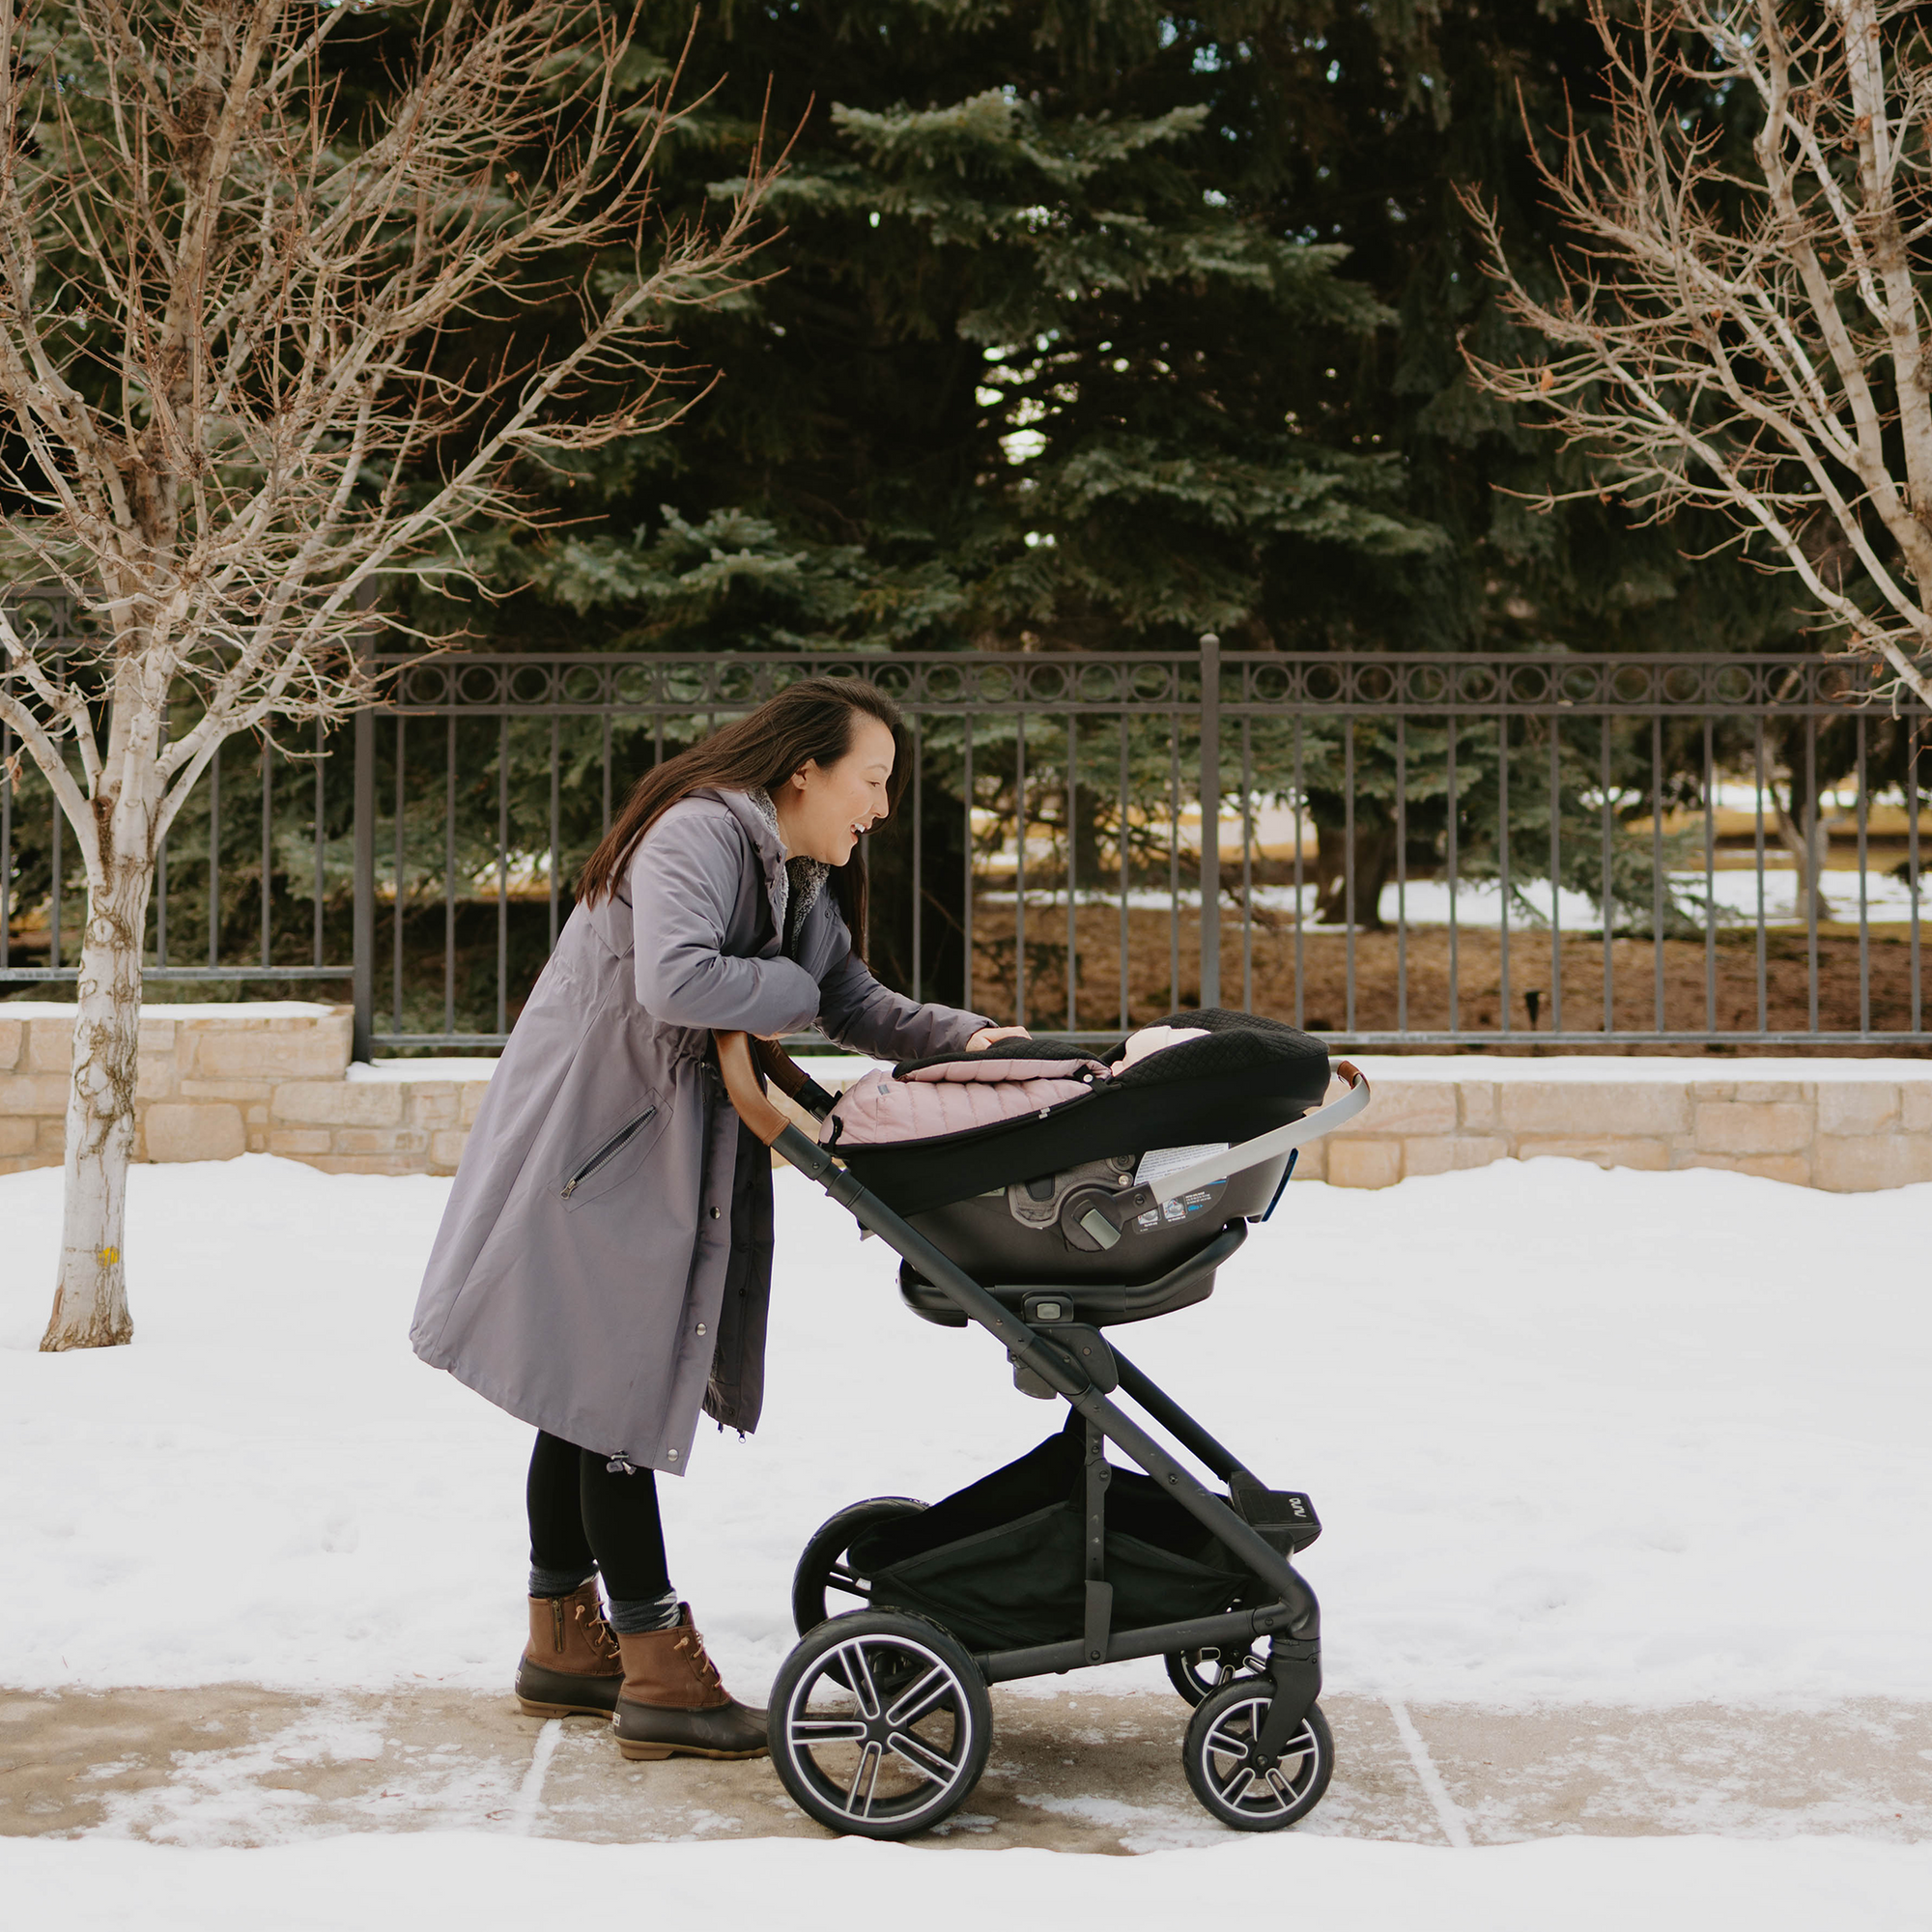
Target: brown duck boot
{"points": [[571, 1664], [672, 1703]]}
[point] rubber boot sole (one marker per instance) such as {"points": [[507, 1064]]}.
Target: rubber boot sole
{"points": [[643, 1754], [556, 1693]]}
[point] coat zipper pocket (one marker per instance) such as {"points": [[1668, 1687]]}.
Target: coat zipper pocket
{"points": [[605, 1153]]}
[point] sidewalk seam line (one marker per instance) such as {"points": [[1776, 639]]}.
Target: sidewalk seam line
{"points": [[529, 1794], [1448, 1813]]}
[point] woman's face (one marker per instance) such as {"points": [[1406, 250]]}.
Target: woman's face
{"points": [[823, 808]]}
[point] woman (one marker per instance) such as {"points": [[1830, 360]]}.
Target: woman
{"points": [[604, 1265]]}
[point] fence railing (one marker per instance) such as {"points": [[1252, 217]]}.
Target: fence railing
{"points": [[1398, 850]]}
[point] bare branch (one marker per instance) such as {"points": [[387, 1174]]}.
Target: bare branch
{"points": [[1753, 339]]}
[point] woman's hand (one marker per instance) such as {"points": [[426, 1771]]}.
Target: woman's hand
{"points": [[987, 1036]]}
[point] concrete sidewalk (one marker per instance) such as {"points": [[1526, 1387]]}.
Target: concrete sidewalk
{"points": [[1078, 1771]]}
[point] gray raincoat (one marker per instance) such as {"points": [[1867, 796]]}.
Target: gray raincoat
{"points": [[603, 1268]]}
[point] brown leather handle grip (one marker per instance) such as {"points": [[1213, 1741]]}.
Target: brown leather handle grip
{"points": [[746, 1091], [780, 1069]]}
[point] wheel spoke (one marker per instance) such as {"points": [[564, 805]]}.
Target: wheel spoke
{"points": [[827, 1730], [859, 1675], [869, 1759], [921, 1756], [1226, 1739], [920, 1698]]}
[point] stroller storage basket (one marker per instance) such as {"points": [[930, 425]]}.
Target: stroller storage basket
{"points": [[1000, 1564]]}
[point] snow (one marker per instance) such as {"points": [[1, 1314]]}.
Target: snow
{"points": [[1640, 1438], [482, 1882], [1478, 903]]}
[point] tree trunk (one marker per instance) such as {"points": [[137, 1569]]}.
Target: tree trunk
{"points": [[91, 1296], [1803, 833], [1373, 861]]}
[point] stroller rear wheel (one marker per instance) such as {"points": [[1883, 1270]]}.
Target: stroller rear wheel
{"points": [[1229, 1772], [1199, 1673], [822, 1571], [880, 1724]]}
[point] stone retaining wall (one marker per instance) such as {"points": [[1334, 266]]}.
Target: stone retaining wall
{"points": [[1844, 1125], [218, 1081]]}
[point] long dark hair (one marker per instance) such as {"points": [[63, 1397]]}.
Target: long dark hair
{"points": [[809, 720]]}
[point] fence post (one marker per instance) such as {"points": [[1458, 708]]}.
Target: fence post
{"points": [[363, 931], [1210, 820]]}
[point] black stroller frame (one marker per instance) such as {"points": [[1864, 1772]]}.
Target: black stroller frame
{"points": [[1258, 1753]]}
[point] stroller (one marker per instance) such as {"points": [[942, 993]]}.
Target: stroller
{"points": [[1049, 1194]]}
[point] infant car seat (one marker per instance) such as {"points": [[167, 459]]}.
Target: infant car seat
{"points": [[1004, 1159]]}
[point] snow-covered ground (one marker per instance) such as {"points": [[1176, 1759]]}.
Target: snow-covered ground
{"points": [[1478, 903], [1632, 1438], [477, 1881], [1575, 1435]]}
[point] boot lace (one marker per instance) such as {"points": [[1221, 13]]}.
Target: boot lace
{"points": [[691, 1645], [603, 1638]]}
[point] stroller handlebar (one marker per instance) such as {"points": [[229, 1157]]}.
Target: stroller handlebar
{"points": [[1237, 1160]]}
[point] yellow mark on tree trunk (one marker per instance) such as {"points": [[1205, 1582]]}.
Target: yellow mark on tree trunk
{"points": [[109, 1256]]}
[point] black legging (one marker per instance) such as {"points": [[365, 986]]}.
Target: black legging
{"points": [[582, 1515]]}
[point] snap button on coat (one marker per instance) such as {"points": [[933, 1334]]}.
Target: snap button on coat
{"points": [[565, 1310]]}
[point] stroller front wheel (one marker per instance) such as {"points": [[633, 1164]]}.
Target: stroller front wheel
{"points": [[1229, 1774], [880, 1724]]}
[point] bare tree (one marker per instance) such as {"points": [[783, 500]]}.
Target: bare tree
{"points": [[232, 323], [1750, 335]]}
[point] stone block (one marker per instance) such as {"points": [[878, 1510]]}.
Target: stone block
{"points": [[1448, 1154], [1313, 1164], [256, 1112], [337, 1104], [1477, 1100], [1856, 1106], [1364, 1163], [1410, 1107], [367, 1163], [52, 1141], [1794, 1168], [34, 1094], [17, 1135], [1606, 1151], [1857, 1165], [1777, 1093], [239, 1092], [470, 1100], [1596, 1109], [1915, 1109], [435, 1108], [380, 1140], [194, 1130], [13, 1035], [223, 1049], [299, 1140], [446, 1149], [154, 1078], [49, 1046], [156, 1036], [1717, 1090], [1737, 1126]]}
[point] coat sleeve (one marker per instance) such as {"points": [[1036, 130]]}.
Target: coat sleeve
{"points": [[856, 1011], [684, 884]]}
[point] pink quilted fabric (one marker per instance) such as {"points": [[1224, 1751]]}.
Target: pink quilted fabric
{"points": [[950, 1099]]}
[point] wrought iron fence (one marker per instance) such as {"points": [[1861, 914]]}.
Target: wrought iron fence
{"points": [[1401, 850]]}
